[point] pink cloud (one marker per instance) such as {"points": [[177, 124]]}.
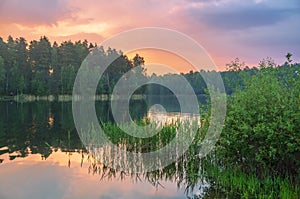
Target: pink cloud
{"points": [[33, 12]]}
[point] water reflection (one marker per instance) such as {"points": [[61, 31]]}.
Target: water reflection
{"points": [[171, 118], [50, 120], [52, 179], [88, 178], [41, 156]]}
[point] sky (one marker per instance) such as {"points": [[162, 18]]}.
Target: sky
{"points": [[248, 29]]}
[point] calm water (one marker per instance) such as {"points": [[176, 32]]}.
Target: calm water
{"points": [[41, 156]]}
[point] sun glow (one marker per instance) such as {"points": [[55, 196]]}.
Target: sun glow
{"points": [[161, 57]]}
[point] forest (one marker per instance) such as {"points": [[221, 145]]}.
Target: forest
{"points": [[43, 68]]}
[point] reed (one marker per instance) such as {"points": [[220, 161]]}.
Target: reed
{"points": [[229, 181], [235, 183]]}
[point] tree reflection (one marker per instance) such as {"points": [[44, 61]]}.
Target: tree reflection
{"points": [[43, 127]]}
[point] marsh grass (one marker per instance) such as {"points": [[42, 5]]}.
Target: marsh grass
{"points": [[226, 181], [164, 136], [235, 183]]}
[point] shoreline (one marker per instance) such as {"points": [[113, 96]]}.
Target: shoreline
{"points": [[67, 98], [61, 98]]}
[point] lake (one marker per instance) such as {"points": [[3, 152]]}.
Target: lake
{"points": [[42, 156]]}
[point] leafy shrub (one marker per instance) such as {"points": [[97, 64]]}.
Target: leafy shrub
{"points": [[262, 130]]}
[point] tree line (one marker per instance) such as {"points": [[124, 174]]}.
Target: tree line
{"points": [[44, 68]]}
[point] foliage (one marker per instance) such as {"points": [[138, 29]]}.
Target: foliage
{"points": [[235, 65], [261, 133], [234, 183], [2, 75], [51, 68], [67, 79], [42, 68]]}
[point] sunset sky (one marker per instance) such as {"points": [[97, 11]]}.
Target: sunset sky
{"points": [[248, 29]]}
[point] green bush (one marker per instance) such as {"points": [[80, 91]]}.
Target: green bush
{"points": [[262, 129]]}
